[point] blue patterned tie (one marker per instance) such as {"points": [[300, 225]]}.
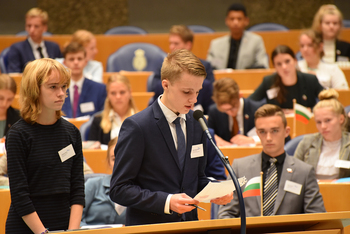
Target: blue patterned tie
{"points": [[181, 144]]}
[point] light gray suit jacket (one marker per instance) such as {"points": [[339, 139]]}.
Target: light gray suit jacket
{"points": [[309, 150], [309, 201], [251, 52]]}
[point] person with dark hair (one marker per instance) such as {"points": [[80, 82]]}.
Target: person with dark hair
{"points": [[241, 49], [287, 83], [288, 186]]}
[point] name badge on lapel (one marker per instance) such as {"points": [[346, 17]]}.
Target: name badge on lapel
{"points": [[197, 151], [292, 187], [66, 153], [87, 107]]}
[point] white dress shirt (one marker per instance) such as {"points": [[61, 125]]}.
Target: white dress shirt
{"points": [[329, 51], [329, 155]]}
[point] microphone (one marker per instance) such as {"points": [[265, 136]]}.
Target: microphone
{"points": [[198, 115]]}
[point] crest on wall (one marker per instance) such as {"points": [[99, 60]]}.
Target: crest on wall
{"points": [[139, 62]]}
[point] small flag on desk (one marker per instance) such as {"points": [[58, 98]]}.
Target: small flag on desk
{"points": [[252, 188], [302, 113]]}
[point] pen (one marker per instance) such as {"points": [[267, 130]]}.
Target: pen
{"points": [[197, 207]]}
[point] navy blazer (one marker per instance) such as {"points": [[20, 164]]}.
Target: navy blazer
{"points": [[146, 168], [342, 49], [91, 92], [219, 120], [21, 53]]}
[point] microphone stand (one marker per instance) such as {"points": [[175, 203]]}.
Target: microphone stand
{"points": [[226, 163]]}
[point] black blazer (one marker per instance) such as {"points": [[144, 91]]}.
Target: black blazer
{"points": [[308, 87], [342, 48], [96, 133], [219, 121], [12, 117]]}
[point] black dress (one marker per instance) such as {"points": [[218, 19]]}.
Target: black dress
{"points": [[39, 180]]}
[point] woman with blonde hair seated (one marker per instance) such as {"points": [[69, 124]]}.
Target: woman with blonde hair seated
{"points": [[329, 75], [119, 105], [328, 149]]}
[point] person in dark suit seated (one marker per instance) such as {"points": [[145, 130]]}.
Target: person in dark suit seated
{"points": [[287, 83], [85, 97], [160, 154], [118, 106], [181, 37], [99, 209], [289, 185], [328, 22], [34, 47], [232, 117]]}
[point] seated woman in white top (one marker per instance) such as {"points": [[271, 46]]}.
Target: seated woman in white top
{"points": [[328, 22], [329, 75], [329, 149]]}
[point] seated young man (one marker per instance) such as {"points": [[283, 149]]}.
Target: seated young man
{"points": [[85, 97], [232, 117], [289, 185], [34, 47]]}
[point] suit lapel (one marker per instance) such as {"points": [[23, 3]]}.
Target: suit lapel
{"points": [[68, 105], [164, 128], [288, 163], [29, 51]]}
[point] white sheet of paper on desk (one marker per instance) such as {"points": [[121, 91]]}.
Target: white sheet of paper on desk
{"points": [[217, 189]]}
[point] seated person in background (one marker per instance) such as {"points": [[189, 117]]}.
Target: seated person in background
{"points": [[280, 170], [93, 69], [8, 115], [328, 75], [85, 97], [241, 49], [99, 208], [329, 148], [328, 22], [287, 83], [118, 106], [34, 47], [181, 37], [232, 117]]}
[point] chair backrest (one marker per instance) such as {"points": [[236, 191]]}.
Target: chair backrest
{"points": [[292, 145], [346, 23], [125, 30], [268, 27], [85, 129], [200, 29], [298, 56], [4, 60], [94, 175], [136, 57], [25, 33]]}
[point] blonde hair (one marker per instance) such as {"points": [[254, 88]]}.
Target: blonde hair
{"points": [[111, 144], [316, 39], [183, 32], [37, 12], [106, 123], [82, 36], [328, 9], [8, 83], [329, 99], [35, 74], [225, 91], [269, 110], [181, 61]]}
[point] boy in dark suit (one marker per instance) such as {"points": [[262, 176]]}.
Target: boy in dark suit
{"points": [[34, 47], [232, 117], [85, 97], [160, 156]]}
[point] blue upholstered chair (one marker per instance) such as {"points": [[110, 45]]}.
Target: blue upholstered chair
{"points": [[346, 23], [125, 30], [200, 29], [268, 27], [136, 57], [298, 56], [25, 33], [4, 60], [292, 145]]}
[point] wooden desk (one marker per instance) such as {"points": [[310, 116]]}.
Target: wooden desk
{"points": [[78, 122], [301, 128], [97, 160], [325, 223], [239, 151], [335, 196], [5, 201]]}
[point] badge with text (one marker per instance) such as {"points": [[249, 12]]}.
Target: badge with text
{"points": [[87, 107], [66, 153], [272, 93], [342, 164], [292, 187], [197, 151]]}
